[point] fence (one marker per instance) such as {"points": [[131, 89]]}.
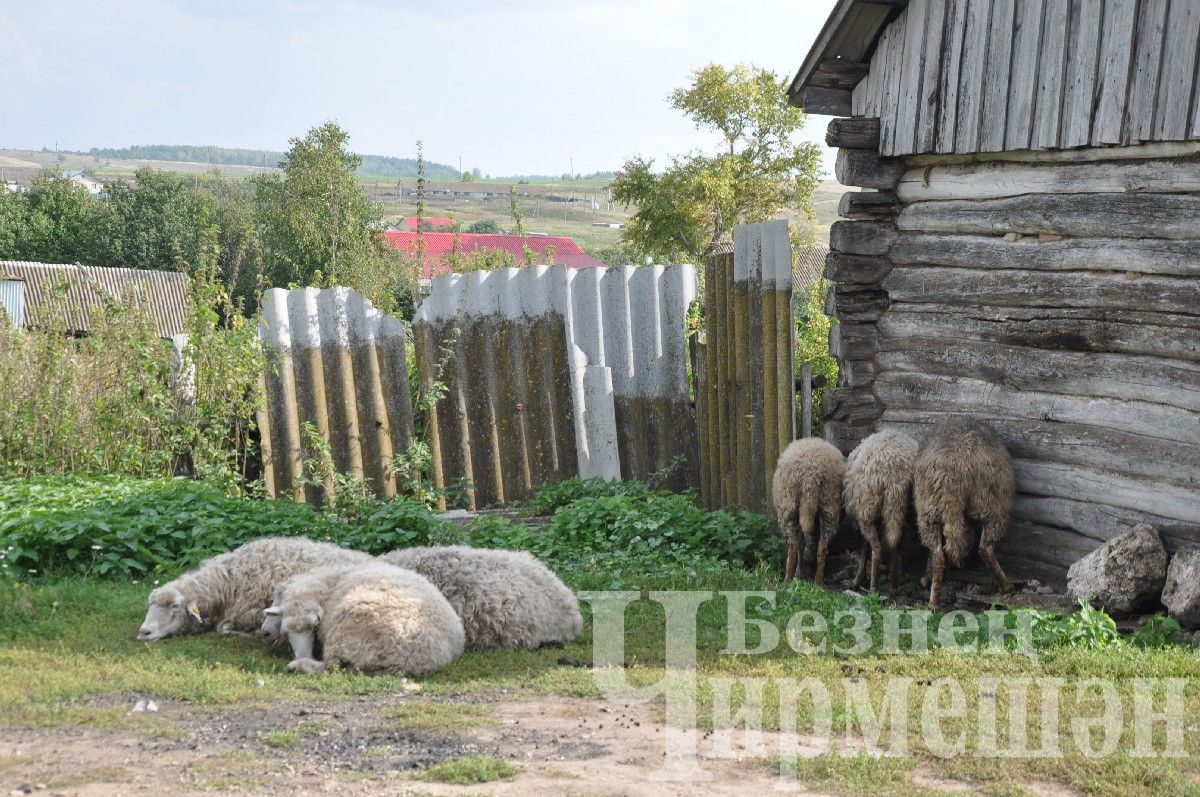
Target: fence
{"points": [[744, 366], [552, 372], [337, 363]]}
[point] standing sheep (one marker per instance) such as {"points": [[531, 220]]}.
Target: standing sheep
{"points": [[230, 591], [878, 490], [373, 617], [808, 478], [963, 472], [506, 599]]}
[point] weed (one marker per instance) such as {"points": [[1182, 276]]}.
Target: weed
{"points": [[470, 770]]}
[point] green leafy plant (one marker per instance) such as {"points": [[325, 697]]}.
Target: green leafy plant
{"points": [[553, 495], [1158, 631]]}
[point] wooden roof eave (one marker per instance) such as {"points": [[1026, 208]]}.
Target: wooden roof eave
{"points": [[839, 57]]}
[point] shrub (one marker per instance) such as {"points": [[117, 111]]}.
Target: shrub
{"points": [[550, 497]]}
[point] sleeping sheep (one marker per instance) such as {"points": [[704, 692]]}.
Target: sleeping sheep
{"points": [[506, 599], [371, 617], [963, 472], [878, 492], [230, 591], [808, 479]]}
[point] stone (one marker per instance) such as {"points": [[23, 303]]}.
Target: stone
{"points": [[1181, 594], [1124, 574]]}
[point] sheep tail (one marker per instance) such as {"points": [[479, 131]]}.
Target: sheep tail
{"points": [[810, 502], [955, 538]]}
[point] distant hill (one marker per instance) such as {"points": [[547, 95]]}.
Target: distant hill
{"points": [[227, 156]]}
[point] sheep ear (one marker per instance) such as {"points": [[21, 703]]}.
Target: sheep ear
{"points": [[273, 611], [194, 611]]}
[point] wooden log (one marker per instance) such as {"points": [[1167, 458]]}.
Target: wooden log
{"points": [[851, 303], [862, 237], [854, 341], [823, 100], [1088, 484], [852, 406], [853, 133], [857, 373], [868, 205], [1019, 288], [864, 167], [1137, 255], [1111, 450], [1005, 179], [941, 393], [1119, 376], [1072, 329], [856, 269], [1100, 521], [1171, 216], [839, 74]]}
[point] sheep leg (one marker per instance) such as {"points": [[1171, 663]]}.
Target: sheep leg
{"points": [[302, 643], [937, 564], [793, 558], [896, 568], [822, 545], [988, 554], [860, 575]]}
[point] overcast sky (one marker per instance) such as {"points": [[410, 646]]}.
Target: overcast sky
{"points": [[519, 86]]}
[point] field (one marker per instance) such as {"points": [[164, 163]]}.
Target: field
{"points": [[86, 709]]}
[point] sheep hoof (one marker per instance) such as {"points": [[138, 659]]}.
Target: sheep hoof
{"points": [[306, 666]]}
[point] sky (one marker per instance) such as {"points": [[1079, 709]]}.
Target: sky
{"points": [[514, 87]]}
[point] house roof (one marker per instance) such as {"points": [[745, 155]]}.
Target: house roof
{"points": [[808, 266], [89, 287], [440, 244], [839, 57], [432, 221]]}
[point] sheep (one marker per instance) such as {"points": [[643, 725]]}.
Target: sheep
{"points": [[230, 591], [963, 472], [373, 617], [506, 599], [878, 490], [808, 478]]}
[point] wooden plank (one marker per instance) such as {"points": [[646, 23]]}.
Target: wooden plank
{"points": [[864, 168], [941, 393], [858, 99], [1173, 216], [856, 133], [953, 31], [1026, 52], [1002, 179], [1109, 450], [821, 100], [997, 76], [970, 78], [911, 69], [1143, 83], [1150, 149], [891, 84], [1020, 288], [1051, 75], [1116, 57], [1178, 73], [1137, 255], [1119, 376], [927, 101], [1083, 54], [1075, 329]]}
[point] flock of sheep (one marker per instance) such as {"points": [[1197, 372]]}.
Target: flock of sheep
{"points": [[961, 472], [407, 612]]}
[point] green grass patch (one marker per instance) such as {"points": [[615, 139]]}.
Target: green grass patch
{"points": [[429, 715], [470, 770]]}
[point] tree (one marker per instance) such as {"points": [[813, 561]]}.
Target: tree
{"points": [[693, 204], [56, 221], [485, 226], [317, 226]]}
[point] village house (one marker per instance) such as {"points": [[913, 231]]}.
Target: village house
{"points": [[440, 246], [1028, 249]]}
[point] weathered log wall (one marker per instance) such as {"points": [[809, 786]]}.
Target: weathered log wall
{"points": [[1060, 301]]}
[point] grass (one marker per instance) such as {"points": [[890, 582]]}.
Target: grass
{"points": [[470, 770], [427, 715]]}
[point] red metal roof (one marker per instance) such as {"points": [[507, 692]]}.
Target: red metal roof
{"points": [[433, 221], [440, 244]]}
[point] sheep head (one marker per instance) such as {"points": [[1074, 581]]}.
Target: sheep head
{"points": [[272, 627], [170, 613]]}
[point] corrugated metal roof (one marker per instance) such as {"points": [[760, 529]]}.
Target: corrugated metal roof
{"points": [[12, 300], [88, 287], [808, 265]]}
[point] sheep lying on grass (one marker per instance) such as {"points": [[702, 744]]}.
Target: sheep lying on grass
{"points": [[506, 599], [371, 617], [808, 479], [230, 591], [963, 472], [878, 491]]}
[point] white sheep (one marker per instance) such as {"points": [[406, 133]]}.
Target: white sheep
{"points": [[808, 478], [371, 617], [878, 490], [506, 599], [230, 591]]}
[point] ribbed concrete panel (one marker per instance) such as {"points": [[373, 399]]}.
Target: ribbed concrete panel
{"points": [[338, 363], [554, 372]]}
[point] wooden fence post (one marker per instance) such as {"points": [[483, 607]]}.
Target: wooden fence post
{"points": [[806, 400]]}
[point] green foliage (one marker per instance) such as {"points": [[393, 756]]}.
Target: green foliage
{"points": [[620, 255], [1159, 632], [1088, 628], [56, 221], [486, 226], [316, 224], [553, 495], [374, 165], [684, 209], [812, 344], [470, 770], [130, 528]]}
